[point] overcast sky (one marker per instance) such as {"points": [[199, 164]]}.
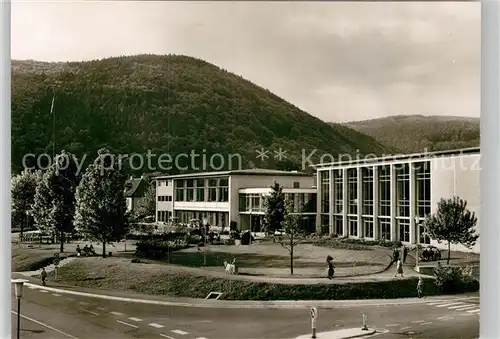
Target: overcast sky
{"points": [[338, 61]]}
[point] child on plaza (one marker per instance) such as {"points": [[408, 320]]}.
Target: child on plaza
{"points": [[399, 268], [43, 275]]}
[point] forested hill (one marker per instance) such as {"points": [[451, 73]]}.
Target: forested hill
{"points": [[166, 104], [414, 133]]}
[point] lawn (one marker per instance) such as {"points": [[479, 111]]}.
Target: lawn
{"points": [[120, 274], [24, 258], [271, 259]]}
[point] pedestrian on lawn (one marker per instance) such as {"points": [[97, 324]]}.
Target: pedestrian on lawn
{"points": [[399, 268], [44, 276], [405, 254], [395, 254], [420, 287], [331, 268]]}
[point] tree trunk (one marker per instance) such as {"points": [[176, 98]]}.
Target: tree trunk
{"points": [[449, 252], [61, 240], [291, 255], [104, 248], [21, 229]]}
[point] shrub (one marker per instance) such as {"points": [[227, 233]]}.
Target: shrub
{"points": [[234, 235], [455, 279], [325, 229], [193, 239], [245, 238], [158, 249]]}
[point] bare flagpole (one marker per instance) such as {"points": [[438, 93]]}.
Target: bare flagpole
{"points": [[53, 126]]}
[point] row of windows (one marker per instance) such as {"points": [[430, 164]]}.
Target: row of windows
{"points": [[164, 183], [402, 188], [298, 202], [164, 216], [212, 190], [384, 226], [164, 198]]}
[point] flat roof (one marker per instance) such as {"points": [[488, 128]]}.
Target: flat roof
{"points": [[285, 190], [252, 171], [398, 157]]}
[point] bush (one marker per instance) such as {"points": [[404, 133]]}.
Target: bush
{"points": [[455, 279], [193, 239], [356, 244], [325, 229], [234, 235], [245, 238], [158, 249]]}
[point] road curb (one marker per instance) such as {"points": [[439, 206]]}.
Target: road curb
{"points": [[336, 334], [248, 304]]}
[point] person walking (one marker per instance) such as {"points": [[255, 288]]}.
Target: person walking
{"points": [[405, 254], [420, 287], [399, 268], [331, 268], [44, 276]]}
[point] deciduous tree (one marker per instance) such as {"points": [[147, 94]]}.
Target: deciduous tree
{"points": [[293, 232], [275, 209], [23, 191], [101, 210], [453, 223], [146, 208]]}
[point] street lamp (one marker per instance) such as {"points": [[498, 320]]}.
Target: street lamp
{"points": [[18, 287], [205, 223]]}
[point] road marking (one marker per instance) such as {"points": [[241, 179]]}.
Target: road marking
{"points": [[70, 299], [466, 308], [427, 323], [435, 303], [405, 328], [32, 287], [135, 319], [391, 325], [201, 338], [459, 306], [204, 321], [116, 313], [84, 303], [45, 325], [446, 318], [124, 323], [166, 336], [474, 311], [56, 295], [84, 310], [101, 309], [44, 291], [179, 332], [441, 318], [450, 304], [418, 321], [156, 325], [467, 314]]}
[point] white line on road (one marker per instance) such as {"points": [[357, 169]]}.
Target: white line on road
{"points": [[201, 338], [56, 295], [70, 299], [32, 287], [446, 318], [135, 319], [474, 311], [405, 328], [391, 325], [84, 310], [450, 304], [460, 306], [179, 332], [467, 314], [44, 291], [427, 323], [441, 318], [156, 325], [116, 313], [418, 321], [101, 309], [84, 303], [166, 336], [45, 325], [466, 308], [124, 323]]}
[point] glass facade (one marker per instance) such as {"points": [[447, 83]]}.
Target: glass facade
{"points": [[391, 187], [325, 197]]}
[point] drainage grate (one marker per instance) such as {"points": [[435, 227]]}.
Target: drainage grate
{"points": [[213, 295]]}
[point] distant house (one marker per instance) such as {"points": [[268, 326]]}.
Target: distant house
{"points": [[135, 189]]}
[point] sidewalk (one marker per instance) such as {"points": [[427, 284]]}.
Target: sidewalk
{"points": [[341, 334]]}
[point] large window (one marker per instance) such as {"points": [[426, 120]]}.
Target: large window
{"points": [[212, 190], [403, 189], [423, 176], [385, 229], [367, 189], [338, 192], [243, 204], [179, 190], [200, 190], [384, 184], [325, 191], [352, 190], [223, 189], [338, 223], [404, 230], [368, 227], [190, 190], [325, 220], [353, 226]]}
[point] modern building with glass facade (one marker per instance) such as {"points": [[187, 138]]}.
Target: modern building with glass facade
{"points": [[388, 198], [231, 197]]}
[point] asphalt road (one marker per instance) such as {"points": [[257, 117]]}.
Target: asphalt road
{"points": [[57, 316]]}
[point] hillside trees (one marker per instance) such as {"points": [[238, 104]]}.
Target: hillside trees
{"points": [[101, 211]]}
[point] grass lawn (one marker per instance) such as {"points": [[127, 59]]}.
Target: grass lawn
{"points": [[273, 260], [24, 258], [120, 274]]}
